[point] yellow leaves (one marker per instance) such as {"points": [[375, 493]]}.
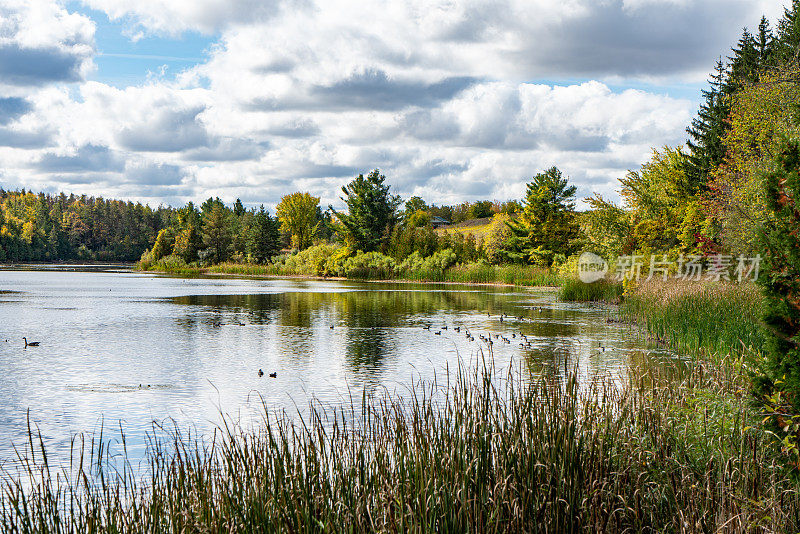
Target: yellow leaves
{"points": [[297, 214]]}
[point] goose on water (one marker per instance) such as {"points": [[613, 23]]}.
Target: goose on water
{"points": [[30, 344]]}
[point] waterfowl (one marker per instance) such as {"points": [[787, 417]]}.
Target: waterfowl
{"points": [[273, 375], [439, 333], [31, 344], [260, 373], [331, 327]]}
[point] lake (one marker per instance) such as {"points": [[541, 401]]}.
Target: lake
{"points": [[126, 349]]}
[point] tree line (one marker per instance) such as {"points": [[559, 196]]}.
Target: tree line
{"points": [[377, 221], [40, 227]]}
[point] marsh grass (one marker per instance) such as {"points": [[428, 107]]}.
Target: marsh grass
{"points": [[483, 273], [574, 290], [247, 269], [485, 451], [708, 319], [471, 273]]}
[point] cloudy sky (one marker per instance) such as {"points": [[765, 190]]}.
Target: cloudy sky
{"points": [[166, 101]]}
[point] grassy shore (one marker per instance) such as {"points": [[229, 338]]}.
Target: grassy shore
{"points": [[474, 273], [711, 320], [481, 452]]}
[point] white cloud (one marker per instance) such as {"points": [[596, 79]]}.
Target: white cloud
{"points": [[300, 96], [41, 43], [175, 16]]}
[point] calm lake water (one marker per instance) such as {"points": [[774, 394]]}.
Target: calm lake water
{"points": [[127, 348]]}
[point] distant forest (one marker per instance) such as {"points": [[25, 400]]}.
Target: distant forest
{"points": [[40, 227]]}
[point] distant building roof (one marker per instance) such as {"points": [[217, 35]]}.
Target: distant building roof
{"points": [[439, 220]]}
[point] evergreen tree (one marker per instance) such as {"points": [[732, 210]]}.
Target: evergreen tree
{"points": [[780, 275], [217, 233], [188, 243], [372, 212], [238, 208], [745, 63], [265, 237], [765, 43], [706, 149], [787, 45], [547, 225]]}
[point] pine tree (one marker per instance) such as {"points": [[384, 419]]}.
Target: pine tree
{"points": [[765, 43], [372, 212], [547, 225], [217, 233], [780, 275]]}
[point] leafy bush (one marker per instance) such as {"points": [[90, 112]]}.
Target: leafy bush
{"points": [[146, 261], [318, 260], [369, 265], [414, 262], [441, 260]]}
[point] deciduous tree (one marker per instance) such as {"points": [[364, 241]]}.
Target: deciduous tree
{"points": [[299, 216]]}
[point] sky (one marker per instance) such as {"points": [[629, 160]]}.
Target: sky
{"points": [[169, 101]]}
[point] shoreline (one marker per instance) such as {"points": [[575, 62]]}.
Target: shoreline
{"points": [[206, 272]]}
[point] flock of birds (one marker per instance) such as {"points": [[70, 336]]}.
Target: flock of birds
{"points": [[489, 339], [493, 336]]}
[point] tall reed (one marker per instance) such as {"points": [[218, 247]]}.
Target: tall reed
{"points": [[575, 290], [483, 452], [710, 319]]}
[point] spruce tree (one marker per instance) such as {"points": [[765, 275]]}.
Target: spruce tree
{"points": [[217, 233], [780, 275], [264, 242], [765, 43], [706, 149], [787, 46], [745, 62]]}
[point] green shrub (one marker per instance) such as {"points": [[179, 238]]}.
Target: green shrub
{"points": [[369, 265], [318, 260]]}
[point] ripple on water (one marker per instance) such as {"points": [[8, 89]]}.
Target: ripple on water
{"points": [[120, 388]]}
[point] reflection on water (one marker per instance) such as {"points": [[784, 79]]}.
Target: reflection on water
{"points": [[132, 348]]}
